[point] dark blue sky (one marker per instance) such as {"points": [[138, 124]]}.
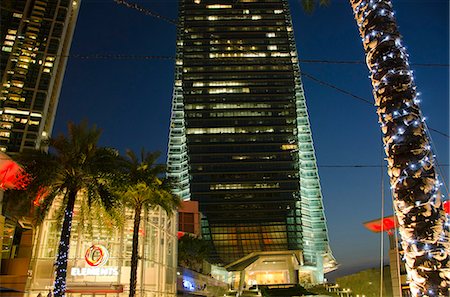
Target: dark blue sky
{"points": [[130, 99]]}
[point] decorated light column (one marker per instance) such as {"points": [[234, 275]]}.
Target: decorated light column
{"points": [[423, 225]]}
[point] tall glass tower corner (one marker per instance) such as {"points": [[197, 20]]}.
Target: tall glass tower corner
{"points": [[35, 41], [240, 140]]}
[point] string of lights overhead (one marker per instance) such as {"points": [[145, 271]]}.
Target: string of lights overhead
{"points": [[157, 57]]}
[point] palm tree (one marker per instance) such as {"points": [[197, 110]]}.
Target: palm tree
{"points": [[411, 165], [74, 166], [144, 188]]}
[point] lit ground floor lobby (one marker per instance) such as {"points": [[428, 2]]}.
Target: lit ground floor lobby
{"points": [[272, 268]]}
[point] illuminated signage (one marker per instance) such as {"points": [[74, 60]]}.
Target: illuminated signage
{"points": [[188, 285], [96, 256], [94, 271]]}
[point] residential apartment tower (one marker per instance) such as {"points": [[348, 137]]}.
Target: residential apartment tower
{"points": [[35, 41]]}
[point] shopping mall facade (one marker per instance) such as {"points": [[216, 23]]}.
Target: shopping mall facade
{"points": [[99, 258]]}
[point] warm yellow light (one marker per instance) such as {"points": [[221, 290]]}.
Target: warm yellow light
{"points": [[218, 6]]}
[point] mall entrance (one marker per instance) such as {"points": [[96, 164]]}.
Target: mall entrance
{"points": [[266, 268]]}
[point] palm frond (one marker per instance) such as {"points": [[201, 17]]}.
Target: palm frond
{"points": [[308, 6], [43, 206]]}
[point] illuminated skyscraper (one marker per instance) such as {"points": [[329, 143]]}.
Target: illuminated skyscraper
{"points": [[35, 41], [240, 140]]}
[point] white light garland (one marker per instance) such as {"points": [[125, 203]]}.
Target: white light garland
{"points": [[423, 225]]}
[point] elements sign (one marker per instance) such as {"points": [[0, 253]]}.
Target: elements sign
{"points": [[96, 257]]}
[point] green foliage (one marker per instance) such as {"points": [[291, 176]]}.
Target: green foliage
{"points": [[321, 290], [143, 184], [142, 187], [192, 251], [310, 5], [295, 290], [73, 163], [367, 282]]}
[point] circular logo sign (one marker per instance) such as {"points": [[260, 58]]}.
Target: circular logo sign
{"points": [[96, 255]]}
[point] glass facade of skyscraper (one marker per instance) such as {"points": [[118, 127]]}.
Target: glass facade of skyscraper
{"points": [[240, 140], [35, 41]]}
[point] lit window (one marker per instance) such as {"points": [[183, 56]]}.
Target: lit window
{"points": [[244, 186], [237, 55], [218, 6], [278, 11], [256, 17], [224, 83], [228, 90], [22, 65], [240, 157], [212, 18], [17, 15], [7, 49], [24, 59], [286, 147], [246, 11], [278, 54], [9, 42], [36, 115], [271, 34], [272, 47], [18, 84], [48, 64]]}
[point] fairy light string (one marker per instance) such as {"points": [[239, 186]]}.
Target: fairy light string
{"points": [[63, 250], [423, 224]]}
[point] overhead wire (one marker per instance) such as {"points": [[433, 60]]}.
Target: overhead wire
{"points": [[174, 22], [160, 57], [145, 11], [303, 73]]}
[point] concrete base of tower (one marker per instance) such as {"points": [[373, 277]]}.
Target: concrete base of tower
{"points": [[273, 268]]}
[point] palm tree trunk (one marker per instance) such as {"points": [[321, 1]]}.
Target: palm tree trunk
{"points": [[134, 251], [411, 164], [63, 250]]}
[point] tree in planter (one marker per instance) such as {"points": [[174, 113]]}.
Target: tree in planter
{"points": [[75, 167], [192, 251], [411, 165], [143, 189]]}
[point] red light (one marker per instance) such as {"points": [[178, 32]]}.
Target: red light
{"points": [[12, 176], [386, 224], [180, 234]]}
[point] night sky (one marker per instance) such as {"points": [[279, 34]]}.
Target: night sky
{"points": [[130, 99]]}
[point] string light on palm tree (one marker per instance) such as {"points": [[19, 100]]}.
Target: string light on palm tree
{"points": [[415, 183]]}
